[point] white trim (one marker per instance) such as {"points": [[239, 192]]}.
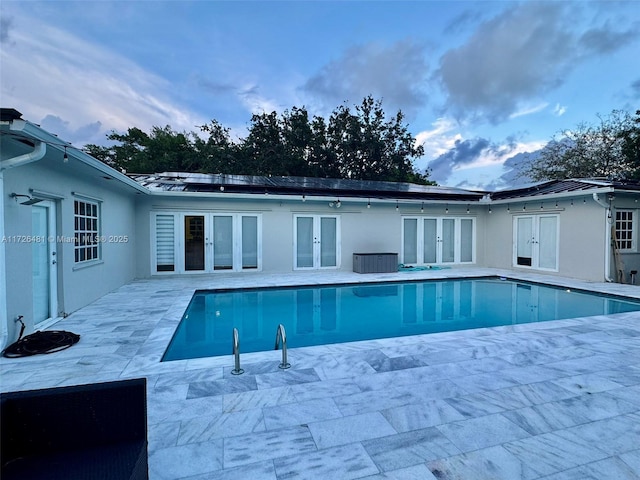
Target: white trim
{"points": [[3, 272]]}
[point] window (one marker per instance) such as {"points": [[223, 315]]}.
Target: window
{"points": [[86, 216], [625, 237]]}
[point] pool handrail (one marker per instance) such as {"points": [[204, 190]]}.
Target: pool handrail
{"points": [[282, 335], [236, 354]]}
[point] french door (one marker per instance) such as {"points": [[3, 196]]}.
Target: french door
{"points": [[44, 262], [535, 242], [316, 241], [433, 240], [206, 242]]}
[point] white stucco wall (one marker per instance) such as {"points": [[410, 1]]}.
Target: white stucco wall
{"points": [[77, 287]]}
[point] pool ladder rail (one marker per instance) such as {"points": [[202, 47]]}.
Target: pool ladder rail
{"points": [[282, 335], [236, 354]]}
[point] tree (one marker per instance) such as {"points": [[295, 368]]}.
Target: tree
{"points": [[609, 150], [359, 144]]}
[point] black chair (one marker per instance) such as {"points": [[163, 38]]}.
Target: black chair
{"points": [[86, 432]]}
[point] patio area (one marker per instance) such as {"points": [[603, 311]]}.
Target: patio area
{"points": [[556, 400]]}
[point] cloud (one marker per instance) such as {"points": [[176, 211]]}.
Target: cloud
{"points": [[635, 89], [48, 72], [464, 152], [395, 73], [90, 133], [529, 110], [522, 53], [6, 23], [559, 110]]}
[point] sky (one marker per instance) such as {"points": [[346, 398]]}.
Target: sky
{"points": [[481, 83]]}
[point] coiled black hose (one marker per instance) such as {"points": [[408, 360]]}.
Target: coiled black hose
{"points": [[48, 341]]}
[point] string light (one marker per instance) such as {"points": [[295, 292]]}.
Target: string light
{"points": [[65, 157]]}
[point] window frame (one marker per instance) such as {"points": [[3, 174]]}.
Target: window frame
{"points": [[87, 238], [631, 244]]}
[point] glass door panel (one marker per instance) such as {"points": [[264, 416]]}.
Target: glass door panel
{"points": [[222, 242], [430, 240], [40, 264], [304, 242], [328, 242], [466, 240], [448, 240], [548, 240], [165, 243], [249, 242], [194, 242], [410, 241], [524, 247]]}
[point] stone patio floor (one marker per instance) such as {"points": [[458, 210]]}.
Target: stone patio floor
{"points": [[557, 400]]}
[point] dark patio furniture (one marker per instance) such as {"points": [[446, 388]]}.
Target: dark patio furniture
{"points": [[86, 432]]}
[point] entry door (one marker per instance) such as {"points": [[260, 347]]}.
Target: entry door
{"points": [[536, 242], [44, 262], [438, 240], [317, 242]]}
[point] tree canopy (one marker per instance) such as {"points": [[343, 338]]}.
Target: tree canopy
{"points": [[609, 149], [360, 143]]}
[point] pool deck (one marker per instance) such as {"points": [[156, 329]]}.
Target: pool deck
{"points": [[556, 400]]}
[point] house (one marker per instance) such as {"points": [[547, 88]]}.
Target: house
{"points": [[74, 229]]}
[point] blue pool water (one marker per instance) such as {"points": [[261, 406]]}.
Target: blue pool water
{"points": [[344, 313]]}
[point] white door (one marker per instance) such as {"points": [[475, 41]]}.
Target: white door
{"points": [[536, 242], [44, 262], [316, 242], [434, 240]]}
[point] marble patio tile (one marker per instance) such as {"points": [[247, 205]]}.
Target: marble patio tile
{"points": [[533, 373], [209, 427], [527, 358], [286, 377], [241, 383], [342, 462], [624, 375], [323, 389], [435, 389], [529, 394], [254, 471], [599, 405], [409, 449], [553, 452], [632, 459], [415, 472], [630, 394], [354, 428], [586, 383], [614, 435], [333, 369], [161, 411], [163, 435], [356, 403], [186, 460], [475, 405], [253, 368], [421, 415], [546, 418], [388, 364], [482, 432], [613, 468], [483, 382], [269, 445], [300, 413], [187, 377], [584, 365], [494, 463], [268, 397]]}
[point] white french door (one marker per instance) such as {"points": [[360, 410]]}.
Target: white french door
{"points": [[535, 242], [433, 240], [316, 241], [206, 242], [44, 262]]}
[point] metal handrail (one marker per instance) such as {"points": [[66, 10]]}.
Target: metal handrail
{"points": [[236, 353], [282, 335]]}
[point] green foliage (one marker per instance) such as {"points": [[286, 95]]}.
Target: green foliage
{"points": [[358, 144], [610, 149]]}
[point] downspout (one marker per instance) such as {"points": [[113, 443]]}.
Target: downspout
{"points": [[36, 154], [607, 245]]}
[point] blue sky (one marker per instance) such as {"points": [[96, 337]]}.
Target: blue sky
{"points": [[480, 82]]}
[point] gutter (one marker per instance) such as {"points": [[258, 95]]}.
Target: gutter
{"points": [[608, 241], [36, 154]]}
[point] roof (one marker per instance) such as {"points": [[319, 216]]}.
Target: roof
{"points": [[564, 187], [218, 183]]}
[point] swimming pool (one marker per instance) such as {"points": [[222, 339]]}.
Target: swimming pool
{"points": [[321, 315]]}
